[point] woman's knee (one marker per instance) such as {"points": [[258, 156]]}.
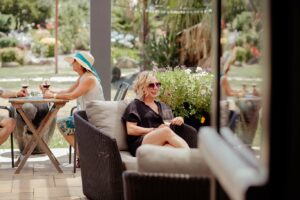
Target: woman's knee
{"points": [[167, 132], [9, 123]]}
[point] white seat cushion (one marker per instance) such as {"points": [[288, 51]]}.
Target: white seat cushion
{"points": [[158, 159], [129, 161]]}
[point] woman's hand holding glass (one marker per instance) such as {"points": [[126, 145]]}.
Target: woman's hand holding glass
{"points": [[47, 94], [45, 85], [168, 118], [24, 91]]}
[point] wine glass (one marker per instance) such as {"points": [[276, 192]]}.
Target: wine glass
{"points": [[25, 83], [46, 83], [254, 90], [167, 116]]}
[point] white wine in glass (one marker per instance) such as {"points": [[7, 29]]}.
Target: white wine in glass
{"points": [[167, 116]]}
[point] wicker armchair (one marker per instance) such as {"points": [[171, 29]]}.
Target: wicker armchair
{"points": [[102, 164], [100, 161], [149, 186], [120, 95]]}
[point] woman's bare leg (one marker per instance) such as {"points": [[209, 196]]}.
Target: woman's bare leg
{"points": [[70, 139], [163, 136], [8, 126]]}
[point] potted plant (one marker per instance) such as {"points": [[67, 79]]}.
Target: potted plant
{"points": [[188, 94]]}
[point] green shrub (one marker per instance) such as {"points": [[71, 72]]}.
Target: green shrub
{"points": [[2, 35], [187, 94], [82, 42], [45, 47], [49, 50], [39, 34], [119, 52], [12, 54], [243, 21], [8, 42], [163, 51], [242, 54], [5, 23], [43, 44], [67, 39], [239, 42], [252, 39], [248, 54]]}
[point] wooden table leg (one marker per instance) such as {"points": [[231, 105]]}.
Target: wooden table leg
{"points": [[38, 133]]}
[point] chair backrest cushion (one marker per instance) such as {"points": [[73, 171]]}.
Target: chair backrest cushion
{"points": [[106, 116]]}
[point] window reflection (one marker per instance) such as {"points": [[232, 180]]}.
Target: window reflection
{"points": [[241, 70]]}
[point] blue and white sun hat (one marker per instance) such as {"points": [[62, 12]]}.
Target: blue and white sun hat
{"points": [[85, 59]]}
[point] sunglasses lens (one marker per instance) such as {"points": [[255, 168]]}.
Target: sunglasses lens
{"points": [[152, 85]]}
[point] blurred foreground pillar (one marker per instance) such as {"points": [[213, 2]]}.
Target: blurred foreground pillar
{"points": [[100, 27]]}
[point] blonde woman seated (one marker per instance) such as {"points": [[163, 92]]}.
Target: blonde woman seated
{"points": [[143, 117], [86, 88]]}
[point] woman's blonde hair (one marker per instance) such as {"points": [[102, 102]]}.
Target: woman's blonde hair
{"points": [[141, 82]]}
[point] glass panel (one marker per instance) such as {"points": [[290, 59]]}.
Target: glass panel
{"points": [[241, 70]]}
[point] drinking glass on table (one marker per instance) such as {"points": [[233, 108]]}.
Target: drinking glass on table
{"points": [[25, 84], [46, 83], [167, 116]]}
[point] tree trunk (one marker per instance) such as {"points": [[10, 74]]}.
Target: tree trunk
{"points": [[145, 32]]}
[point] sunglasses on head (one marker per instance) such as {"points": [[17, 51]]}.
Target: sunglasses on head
{"points": [[152, 85]]}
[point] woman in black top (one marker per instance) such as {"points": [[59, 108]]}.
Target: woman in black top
{"points": [[143, 117]]}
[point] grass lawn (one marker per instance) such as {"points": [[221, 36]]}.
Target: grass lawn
{"points": [[247, 74]]}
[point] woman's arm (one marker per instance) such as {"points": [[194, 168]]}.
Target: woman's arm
{"points": [[70, 89], [134, 129], [227, 88], [80, 89], [11, 94]]}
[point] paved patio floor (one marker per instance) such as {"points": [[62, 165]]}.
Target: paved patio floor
{"points": [[39, 179]]}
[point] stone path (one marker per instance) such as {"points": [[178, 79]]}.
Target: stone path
{"points": [[39, 179]]}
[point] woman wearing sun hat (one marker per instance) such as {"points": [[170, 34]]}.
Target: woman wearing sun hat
{"points": [[86, 88]]}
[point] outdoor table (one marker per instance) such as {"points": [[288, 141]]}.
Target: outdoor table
{"points": [[55, 105], [249, 107]]}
